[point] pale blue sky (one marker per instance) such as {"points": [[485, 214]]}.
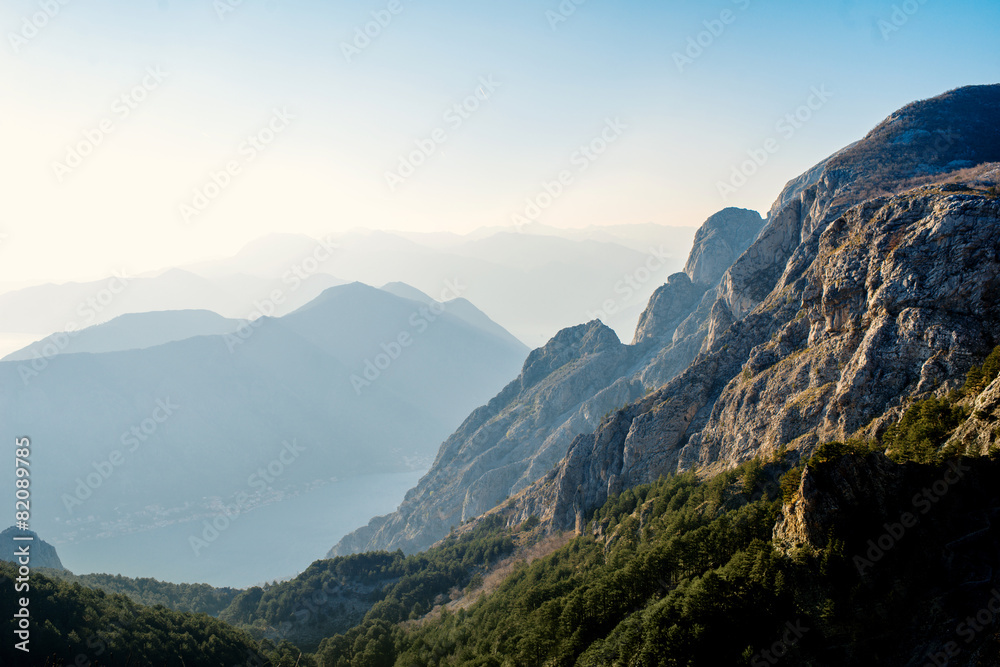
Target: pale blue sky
{"points": [[685, 130]]}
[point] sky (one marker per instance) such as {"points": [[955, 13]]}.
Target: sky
{"points": [[142, 134]]}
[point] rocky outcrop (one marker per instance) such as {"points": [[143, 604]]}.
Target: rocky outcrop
{"points": [[980, 433], [718, 242], [919, 144], [900, 299], [827, 495]]}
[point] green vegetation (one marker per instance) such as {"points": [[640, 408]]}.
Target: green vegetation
{"points": [[72, 624], [194, 598], [979, 377], [367, 591], [789, 483], [831, 451], [684, 572], [924, 428], [530, 523], [669, 544]]}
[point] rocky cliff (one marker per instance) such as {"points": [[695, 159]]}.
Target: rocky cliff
{"points": [[844, 305]]}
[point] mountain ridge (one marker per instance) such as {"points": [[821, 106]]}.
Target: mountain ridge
{"points": [[776, 303], [688, 421]]}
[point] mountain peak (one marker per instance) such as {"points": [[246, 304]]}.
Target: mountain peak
{"points": [[719, 241], [42, 553]]}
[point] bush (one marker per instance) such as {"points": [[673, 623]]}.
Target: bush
{"points": [[790, 483], [979, 377]]}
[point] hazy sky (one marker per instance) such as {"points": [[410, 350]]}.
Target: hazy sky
{"points": [[94, 181]]}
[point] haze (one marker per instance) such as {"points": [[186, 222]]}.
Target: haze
{"points": [[551, 79]]}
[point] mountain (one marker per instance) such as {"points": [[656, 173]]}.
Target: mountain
{"points": [[850, 558], [459, 307], [837, 313], [193, 598], [712, 369], [134, 331], [176, 433], [533, 283], [41, 553], [638, 237], [271, 257], [563, 390]]}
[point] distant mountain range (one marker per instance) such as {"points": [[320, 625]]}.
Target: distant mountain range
{"points": [[532, 283], [134, 331], [53, 308], [179, 410]]}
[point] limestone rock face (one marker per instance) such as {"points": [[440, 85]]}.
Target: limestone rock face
{"points": [[916, 145], [900, 298], [719, 242], [981, 431], [844, 305], [670, 305]]}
